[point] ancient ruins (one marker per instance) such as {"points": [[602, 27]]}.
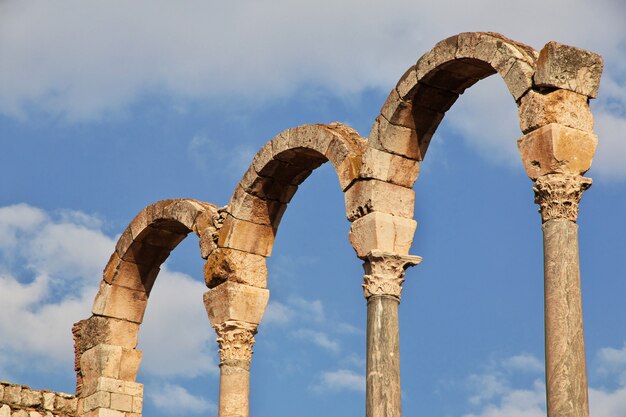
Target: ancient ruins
{"points": [[552, 89]]}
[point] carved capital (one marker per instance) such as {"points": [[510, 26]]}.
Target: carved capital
{"points": [[384, 273], [558, 195], [235, 340]]}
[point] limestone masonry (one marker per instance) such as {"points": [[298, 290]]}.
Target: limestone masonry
{"points": [[552, 89]]}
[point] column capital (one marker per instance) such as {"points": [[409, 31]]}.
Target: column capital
{"points": [[558, 195], [235, 340], [384, 273]]}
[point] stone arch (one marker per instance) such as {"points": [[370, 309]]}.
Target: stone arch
{"points": [[107, 360], [418, 103], [250, 220]]}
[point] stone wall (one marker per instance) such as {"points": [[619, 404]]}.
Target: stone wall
{"points": [[22, 401]]}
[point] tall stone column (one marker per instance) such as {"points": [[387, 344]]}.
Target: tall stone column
{"points": [[235, 311], [558, 196], [382, 287], [235, 340]]}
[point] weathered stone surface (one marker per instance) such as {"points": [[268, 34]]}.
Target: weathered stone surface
{"points": [[120, 302], [367, 196], [104, 412], [48, 401], [442, 52], [395, 139], [388, 167], [20, 413], [129, 365], [397, 111], [30, 398], [121, 402], [407, 84], [231, 301], [113, 385], [5, 411], [137, 404], [564, 107], [246, 236], [383, 392], [129, 274], [570, 68], [227, 264], [97, 399], [382, 231], [566, 374], [519, 78], [557, 149], [251, 208], [100, 361], [234, 391], [12, 394]]}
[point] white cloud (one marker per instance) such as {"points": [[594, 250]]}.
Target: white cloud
{"points": [[318, 338], [496, 395], [176, 400], [340, 380], [523, 363], [176, 336], [208, 153], [277, 313], [52, 265]]}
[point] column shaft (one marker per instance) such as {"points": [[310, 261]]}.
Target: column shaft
{"points": [[383, 396], [566, 374], [234, 390]]}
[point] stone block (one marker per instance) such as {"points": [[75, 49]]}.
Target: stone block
{"points": [[130, 275], [113, 385], [251, 208], [108, 331], [184, 211], [129, 365], [227, 264], [33, 413], [444, 51], [30, 398], [564, 107], [97, 399], [557, 149], [120, 302], [397, 111], [20, 413], [382, 231], [368, 196], [104, 412], [65, 403], [101, 361], [348, 170], [121, 402], [233, 301], [519, 78], [246, 236], [48, 401], [12, 394], [395, 139], [143, 253], [262, 157], [407, 83], [5, 410], [137, 405], [570, 68], [388, 167]]}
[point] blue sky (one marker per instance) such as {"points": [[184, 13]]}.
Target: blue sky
{"points": [[106, 107]]}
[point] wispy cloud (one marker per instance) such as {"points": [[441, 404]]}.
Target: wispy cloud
{"points": [[340, 380], [174, 400], [318, 338], [210, 154]]}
